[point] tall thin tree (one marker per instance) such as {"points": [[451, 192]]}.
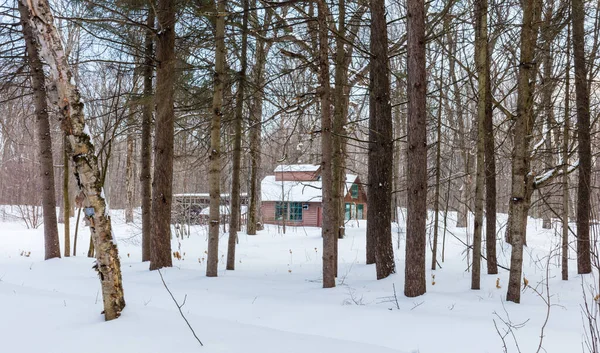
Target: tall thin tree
{"points": [[522, 183], [481, 53], [234, 221], [582, 101], [490, 155], [146, 141], [162, 183], [327, 231], [565, 158], [414, 283], [381, 145], [38, 84], [66, 199], [214, 172]]}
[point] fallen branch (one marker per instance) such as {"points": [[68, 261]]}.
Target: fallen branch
{"points": [[179, 306]]}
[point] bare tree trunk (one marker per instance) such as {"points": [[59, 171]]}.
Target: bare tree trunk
{"points": [[327, 231], [490, 162], [522, 183], [255, 162], [414, 284], [381, 145], [584, 264], [130, 158], [76, 231], [254, 222], [38, 15], [146, 141], [438, 172], [398, 131], [38, 83], [463, 207], [548, 85], [162, 185], [129, 178], [214, 172], [66, 203], [337, 141], [481, 53], [565, 177], [237, 146]]}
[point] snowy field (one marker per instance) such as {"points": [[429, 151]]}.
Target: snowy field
{"points": [[273, 302]]}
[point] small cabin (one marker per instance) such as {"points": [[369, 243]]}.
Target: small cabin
{"points": [[293, 195]]}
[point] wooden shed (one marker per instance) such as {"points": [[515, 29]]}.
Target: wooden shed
{"points": [[294, 195]]}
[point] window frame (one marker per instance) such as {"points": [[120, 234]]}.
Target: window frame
{"points": [[354, 191], [281, 210], [295, 211]]}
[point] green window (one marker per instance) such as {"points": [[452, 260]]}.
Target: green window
{"points": [[347, 213], [354, 191], [280, 210], [360, 211], [295, 211]]}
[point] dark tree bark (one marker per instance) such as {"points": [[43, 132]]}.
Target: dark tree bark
{"points": [[214, 172], [129, 171], [76, 231], [582, 101], [162, 185], [481, 63], [414, 284], [327, 231], [258, 73], [490, 163], [146, 141], [234, 222], [66, 201], [381, 146], [438, 175], [522, 183], [340, 106], [38, 83], [565, 177]]}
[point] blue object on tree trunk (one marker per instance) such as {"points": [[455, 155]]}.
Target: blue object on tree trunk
{"points": [[89, 211]]}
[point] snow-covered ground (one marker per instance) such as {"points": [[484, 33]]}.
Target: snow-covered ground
{"points": [[273, 301]]}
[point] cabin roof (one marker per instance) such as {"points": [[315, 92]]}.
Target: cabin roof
{"points": [[297, 168], [205, 194], [296, 191], [224, 210]]}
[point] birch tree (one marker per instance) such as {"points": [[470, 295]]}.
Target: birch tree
{"points": [[66, 96]]}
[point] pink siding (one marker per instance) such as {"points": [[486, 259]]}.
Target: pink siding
{"points": [[362, 198], [310, 217], [295, 176]]}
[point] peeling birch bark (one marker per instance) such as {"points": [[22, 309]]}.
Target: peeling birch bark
{"points": [[63, 92]]}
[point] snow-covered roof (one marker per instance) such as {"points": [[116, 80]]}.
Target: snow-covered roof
{"points": [[296, 191], [224, 210], [297, 168], [205, 194]]}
